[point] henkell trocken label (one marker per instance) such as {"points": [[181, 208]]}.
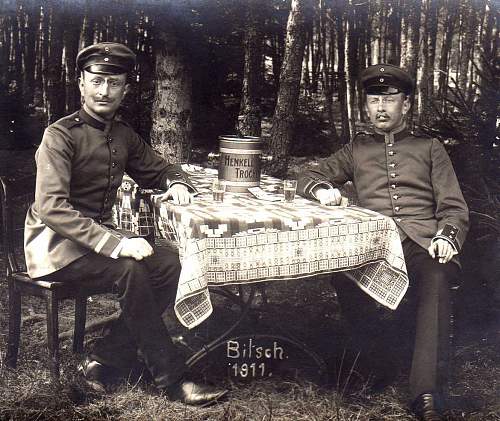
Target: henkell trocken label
{"points": [[249, 358], [241, 167]]}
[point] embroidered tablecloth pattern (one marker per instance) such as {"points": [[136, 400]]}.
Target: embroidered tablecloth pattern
{"points": [[244, 240]]}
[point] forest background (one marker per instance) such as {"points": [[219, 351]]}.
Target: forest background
{"points": [[286, 70]]}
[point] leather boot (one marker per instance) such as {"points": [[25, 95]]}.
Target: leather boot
{"points": [[191, 393], [97, 376], [425, 408]]}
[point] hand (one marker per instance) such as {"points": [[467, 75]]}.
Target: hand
{"points": [[328, 196], [444, 250], [137, 248], [179, 194]]}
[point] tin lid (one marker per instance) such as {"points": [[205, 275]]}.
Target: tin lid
{"points": [[235, 137], [240, 142]]}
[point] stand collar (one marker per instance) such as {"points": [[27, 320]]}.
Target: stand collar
{"points": [[393, 136], [94, 120]]}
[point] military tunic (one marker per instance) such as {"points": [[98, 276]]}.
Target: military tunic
{"points": [[400, 175], [80, 165]]}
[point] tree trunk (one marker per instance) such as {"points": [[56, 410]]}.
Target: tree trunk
{"points": [[249, 118], [410, 59], [278, 48], [433, 30], [288, 95], [470, 24], [341, 74], [17, 51], [7, 18], [314, 41], [132, 30], [489, 39], [384, 31], [87, 34], [450, 10], [328, 65], [427, 70], [394, 34], [377, 25], [172, 107], [488, 89], [54, 89], [29, 53], [73, 18], [369, 35], [362, 25], [306, 73], [352, 65]]}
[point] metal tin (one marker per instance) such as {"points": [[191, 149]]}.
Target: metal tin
{"points": [[239, 162]]}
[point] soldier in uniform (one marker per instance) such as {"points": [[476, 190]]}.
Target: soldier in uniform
{"points": [[409, 178], [70, 236]]}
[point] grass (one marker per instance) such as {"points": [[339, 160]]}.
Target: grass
{"points": [[28, 394]]}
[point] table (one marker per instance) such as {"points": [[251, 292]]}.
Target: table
{"points": [[245, 241]]}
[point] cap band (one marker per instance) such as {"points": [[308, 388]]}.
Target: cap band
{"points": [[104, 69], [382, 90]]}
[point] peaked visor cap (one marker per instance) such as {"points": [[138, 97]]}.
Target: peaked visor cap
{"points": [[109, 58], [386, 79]]}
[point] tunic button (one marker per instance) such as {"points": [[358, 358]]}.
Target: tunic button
{"points": [[393, 175], [392, 165], [110, 139], [398, 219], [391, 153], [114, 150], [390, 145], [396, 197], [112, 177], [397, 208], [113, 164]]}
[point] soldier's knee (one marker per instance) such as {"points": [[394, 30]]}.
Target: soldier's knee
{"points": [[132, 270]]}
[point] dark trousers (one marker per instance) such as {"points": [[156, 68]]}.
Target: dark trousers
{"points": [[424, 315], [144, 290]]}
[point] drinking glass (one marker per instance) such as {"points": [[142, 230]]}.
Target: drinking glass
{"points": [[289, 189]]}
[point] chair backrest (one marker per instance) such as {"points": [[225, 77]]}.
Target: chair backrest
{"points": [[16, 195]]}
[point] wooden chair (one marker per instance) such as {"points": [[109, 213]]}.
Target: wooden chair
{"points": [[15, 197]]}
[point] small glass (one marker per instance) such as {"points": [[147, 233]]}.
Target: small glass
{"points": [[289, 189], [218, 189]]}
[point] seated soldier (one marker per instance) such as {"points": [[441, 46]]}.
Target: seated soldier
{"points": [[70, 236], [409, 178]]}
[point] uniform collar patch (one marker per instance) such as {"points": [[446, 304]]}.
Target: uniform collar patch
{"points": [[397, 134], [91, 121]]}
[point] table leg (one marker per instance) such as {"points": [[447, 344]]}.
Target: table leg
{"points": [[245, 307]]}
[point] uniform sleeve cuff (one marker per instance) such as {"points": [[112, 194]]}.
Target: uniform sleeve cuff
{"points": [[108, 243], [314, 185], [116, 252], [448, 233], [190, 187]]}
